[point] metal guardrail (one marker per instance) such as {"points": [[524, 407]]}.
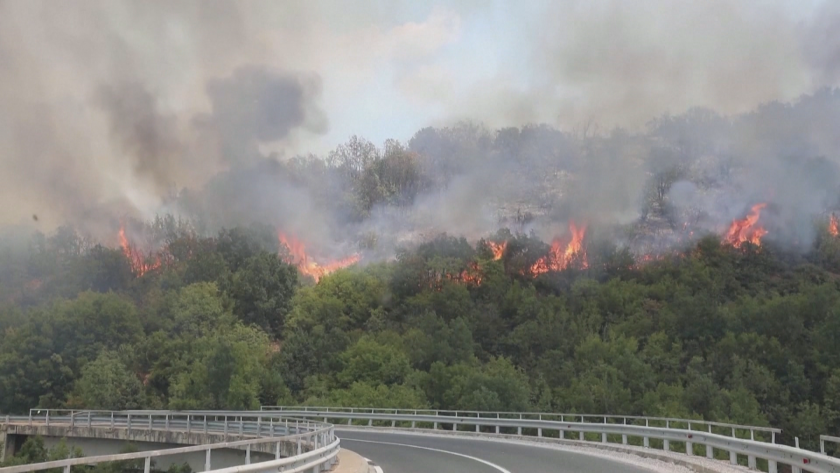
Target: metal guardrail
{"points": [[314, 444], [668, 422], [627, 427]]}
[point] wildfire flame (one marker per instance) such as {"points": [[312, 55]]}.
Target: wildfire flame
{"points": [[746, 229], [498, 249], [306, 265], [562, 254], [832, 226], [139, 264]]}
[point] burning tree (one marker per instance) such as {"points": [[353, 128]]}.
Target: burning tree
{"points": [[746, 229], [307, 265], [564, 252]]}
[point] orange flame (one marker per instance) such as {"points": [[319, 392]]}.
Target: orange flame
{"points": [[139, 265], [472, 275], [832, 226], [746, 230], [309, 267], [561, 255], [497, 249]]}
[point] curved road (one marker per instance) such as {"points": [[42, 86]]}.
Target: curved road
{"points": [[406, 453]]}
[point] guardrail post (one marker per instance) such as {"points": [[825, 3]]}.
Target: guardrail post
{"points": [[539, 431], [497, 429], [147, 465], [822, 442], [150, 422], [205, 424], [207, 461], [189, 423], [241, 425], [772, 466], [129, 423], [689, 448], [248, 454], [48, 418], [562, 434], [709, 450], [67, 469], [112, 419], [581, 436], [30, 416], [72, 420], [298, 444], [433, 427], [733, 458], [277, 451], [794, 468], [519, 431], [166, 422], [90, 418], [751, 461], [666, 445]]}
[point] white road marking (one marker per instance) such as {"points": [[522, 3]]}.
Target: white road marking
{"points": [[376, 468], [492, 465]]}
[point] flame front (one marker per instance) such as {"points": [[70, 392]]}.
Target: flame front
{"points": [[299, 258], [498, 249], [746, 229], [832, 226], [562, 254], [139, 265]]}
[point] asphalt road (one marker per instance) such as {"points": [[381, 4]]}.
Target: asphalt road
{"points": [[405, 453]]}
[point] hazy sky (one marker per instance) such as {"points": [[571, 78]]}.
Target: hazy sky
{"points": [[484, 60]]}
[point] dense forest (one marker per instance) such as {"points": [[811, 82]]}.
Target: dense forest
{"points": [[717, 298], [747, 334]]}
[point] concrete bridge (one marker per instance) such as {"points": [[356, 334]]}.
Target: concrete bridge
{"points": [[205, 442], [409, 441]]}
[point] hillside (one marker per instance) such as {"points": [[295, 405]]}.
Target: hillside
{"points": [[747, 334]]}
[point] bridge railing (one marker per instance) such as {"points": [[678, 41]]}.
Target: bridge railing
{"points": [[313, 445], [230, 422], [691, 436]]}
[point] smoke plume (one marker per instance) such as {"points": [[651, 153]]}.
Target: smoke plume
{"points": [[653, 114]]}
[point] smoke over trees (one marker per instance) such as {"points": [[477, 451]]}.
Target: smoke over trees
{"points": [[609, 209]]}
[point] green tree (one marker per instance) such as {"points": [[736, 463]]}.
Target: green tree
{"points": [[374, 363], [106, 383], [262, 291]]}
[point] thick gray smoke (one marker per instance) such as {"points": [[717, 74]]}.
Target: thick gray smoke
{"points": [[125, 109], [107, 108], [145, 136]]}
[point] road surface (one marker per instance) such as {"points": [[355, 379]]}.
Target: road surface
{"points": [[407, 453]]}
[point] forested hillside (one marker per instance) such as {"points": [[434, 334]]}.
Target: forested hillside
{"points": [[747, 334]]}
